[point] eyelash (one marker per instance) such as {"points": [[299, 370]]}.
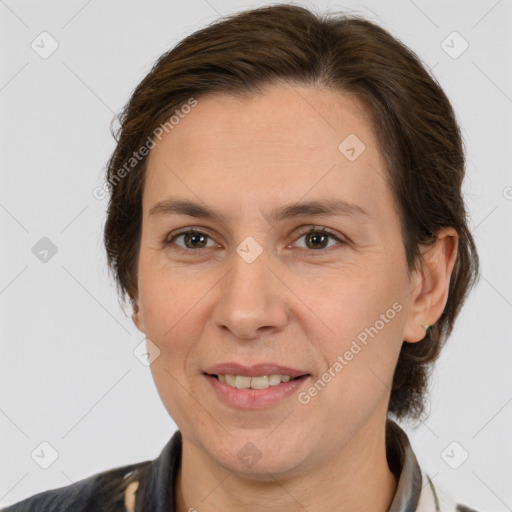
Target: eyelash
{"points": [[168, 240]]}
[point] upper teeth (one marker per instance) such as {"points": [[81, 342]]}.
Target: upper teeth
{"points": [[243, 382]]}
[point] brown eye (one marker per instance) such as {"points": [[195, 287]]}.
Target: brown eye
{"points": [[191, 240], [318, 239], [195, 240]]}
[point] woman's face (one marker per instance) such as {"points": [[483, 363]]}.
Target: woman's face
{"points": [[252, 288]]}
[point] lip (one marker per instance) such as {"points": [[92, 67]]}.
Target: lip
{"points": [[257, 370], [254, 399]]}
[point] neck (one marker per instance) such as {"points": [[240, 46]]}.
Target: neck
{"points": [[355, 479]]}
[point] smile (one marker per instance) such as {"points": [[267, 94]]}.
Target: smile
{"points": [[261, 382]]}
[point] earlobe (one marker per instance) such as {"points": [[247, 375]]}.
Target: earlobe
{"points": [[430, 286], [137, 317]]}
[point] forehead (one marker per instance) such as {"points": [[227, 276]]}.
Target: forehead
{"points": [[284, 115], [275, 147]]}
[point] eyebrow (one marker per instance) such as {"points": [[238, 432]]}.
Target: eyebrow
{"points": [[329, 207]]}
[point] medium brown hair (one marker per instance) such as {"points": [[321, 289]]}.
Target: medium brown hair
{"points": [[416, 128]]}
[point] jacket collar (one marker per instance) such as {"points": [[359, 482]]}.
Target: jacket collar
{"points": [[402, 461]]}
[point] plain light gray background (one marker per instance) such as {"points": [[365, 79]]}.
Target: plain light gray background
{"points": [[68, 373]]}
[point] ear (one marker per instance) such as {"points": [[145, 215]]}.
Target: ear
{"points": [[430, 285], [138, 317]]}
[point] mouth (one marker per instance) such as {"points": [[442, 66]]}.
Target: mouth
{"points": [[256, 387], [258, 382], [254, 393]]}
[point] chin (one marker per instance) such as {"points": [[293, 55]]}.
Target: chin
{"points": [[259, 457]]}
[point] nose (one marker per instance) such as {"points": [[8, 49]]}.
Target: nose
{"points": [[251, 300]]}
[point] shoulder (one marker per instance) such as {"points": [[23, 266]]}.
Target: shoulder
{"points": [[143, 484], [99, 492], [434, 498]]}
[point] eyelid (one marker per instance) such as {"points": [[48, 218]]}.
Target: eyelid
{"points": [[322, 229]]}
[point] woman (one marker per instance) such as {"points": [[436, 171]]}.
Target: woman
{"points": [[286, 219]]}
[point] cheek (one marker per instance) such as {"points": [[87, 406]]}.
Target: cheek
{"points": [[177, 398], [365, 318], [347, 304], [166, 297], [356, 380]]}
